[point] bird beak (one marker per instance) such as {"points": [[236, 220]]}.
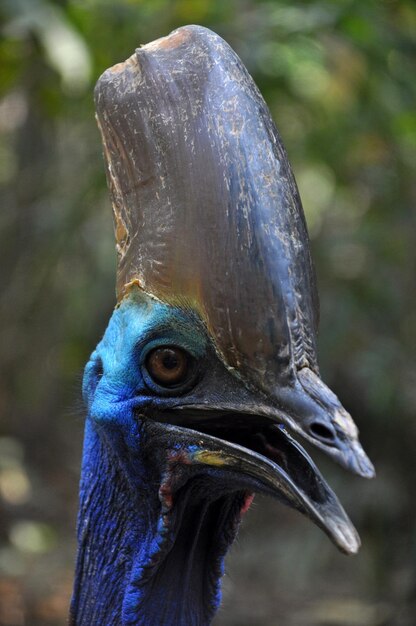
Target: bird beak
{"points": [[247, 433], [264, 458], [307, 408]]}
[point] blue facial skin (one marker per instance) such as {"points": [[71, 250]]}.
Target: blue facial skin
{"points": [[137, 326], [131, 570]]}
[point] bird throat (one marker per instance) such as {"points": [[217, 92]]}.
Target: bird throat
{"points": [[141, 562]]}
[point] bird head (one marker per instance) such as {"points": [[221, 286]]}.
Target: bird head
{"points": [[210, 355]]}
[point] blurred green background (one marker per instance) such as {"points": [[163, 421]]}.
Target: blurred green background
{"points": [[339, 77]]}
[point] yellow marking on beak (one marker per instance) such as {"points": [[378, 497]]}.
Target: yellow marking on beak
{"points": [[208, 457]]}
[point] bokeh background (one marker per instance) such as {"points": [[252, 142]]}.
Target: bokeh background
{"points": [[339, 77]]}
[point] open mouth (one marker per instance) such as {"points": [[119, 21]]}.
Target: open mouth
{"points": [[267, 455]]}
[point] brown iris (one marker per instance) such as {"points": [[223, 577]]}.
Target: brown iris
{"points": [[168, 365]]}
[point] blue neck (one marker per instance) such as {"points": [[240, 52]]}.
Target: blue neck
{"points": [[152, 537], [129, 571], [111, 523]]}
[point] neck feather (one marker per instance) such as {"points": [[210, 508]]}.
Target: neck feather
{"points": [[135, 566]]}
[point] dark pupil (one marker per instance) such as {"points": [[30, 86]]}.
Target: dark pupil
{"points": [[170, 360]]}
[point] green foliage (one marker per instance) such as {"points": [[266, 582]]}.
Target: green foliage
{"points": [[339, 79]]}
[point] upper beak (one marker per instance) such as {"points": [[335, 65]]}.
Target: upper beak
{"points": [[312, 410], [308, 408]]}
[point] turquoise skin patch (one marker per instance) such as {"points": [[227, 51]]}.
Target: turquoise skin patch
{"points": [[113, 379]]}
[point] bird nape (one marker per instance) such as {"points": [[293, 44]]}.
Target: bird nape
{"points": [[209, 360]]}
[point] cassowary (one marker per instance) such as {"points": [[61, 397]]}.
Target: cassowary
{"points": [[208, 365]]}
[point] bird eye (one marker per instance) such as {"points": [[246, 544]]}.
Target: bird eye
{"points": [[168, 366]]}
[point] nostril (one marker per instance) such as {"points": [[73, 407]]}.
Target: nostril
{"points": [[321, 431]]}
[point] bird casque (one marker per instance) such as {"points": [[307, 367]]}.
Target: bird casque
{"points": [[208, 365]]}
